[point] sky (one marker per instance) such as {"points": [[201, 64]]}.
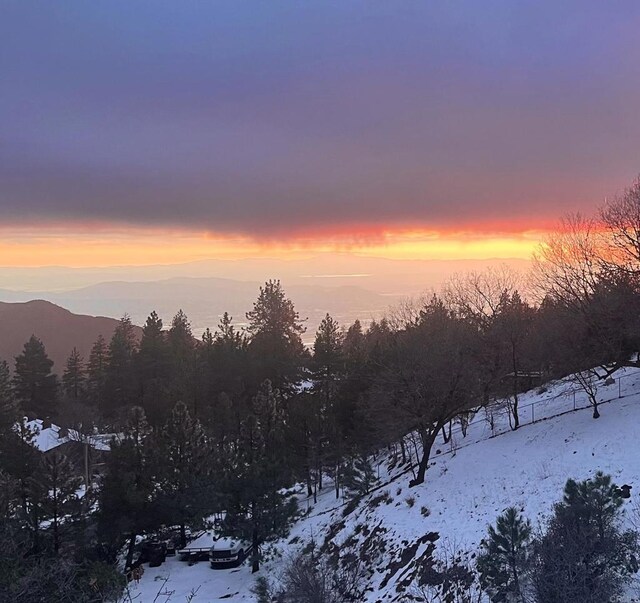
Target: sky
{"points": [[154, 132]]}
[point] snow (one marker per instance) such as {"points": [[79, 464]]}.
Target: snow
{"points": [[467, 486]]}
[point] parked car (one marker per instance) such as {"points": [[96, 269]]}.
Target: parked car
{"points": [[153, 551], [228, 552]]}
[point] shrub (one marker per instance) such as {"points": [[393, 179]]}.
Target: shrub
{"points": [[262, 590], [376, 501], [449, 578], [312, 578]]}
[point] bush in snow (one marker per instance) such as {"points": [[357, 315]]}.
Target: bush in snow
{"points": [[312, 578], [449, 578]]}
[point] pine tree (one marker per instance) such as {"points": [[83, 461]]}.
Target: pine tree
{"points": [[20, 460], [35, 386], [60, 485], [186, 470], [9, 410], [153, 369], [328, 366], [503, 562], [223, 365], [182, 352], [257, 473], [584, 556], [226, 335], [275, 345], [359, 476], [153, 356], [74, 377], [353, 343], [328, 361], [127, 494], [120, 384], [97, 373]]}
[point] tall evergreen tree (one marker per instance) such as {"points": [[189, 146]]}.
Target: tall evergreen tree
{"points": [[182, 350], [35, 386], [60, 501], [356, 381], [275, 345], [328, 360], [153, 369], [257, 472], [228, 362], [11, 446], [318, 420], [128, 490], [186, 471], [97, 373], [9, 410], [120, 384], [74, 377]]}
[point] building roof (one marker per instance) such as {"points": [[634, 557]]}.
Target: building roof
{"points": [[48, 438]]}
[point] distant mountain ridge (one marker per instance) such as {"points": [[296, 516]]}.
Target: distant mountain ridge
{"points": [[381, 275], [60, 330], [204, 300]]}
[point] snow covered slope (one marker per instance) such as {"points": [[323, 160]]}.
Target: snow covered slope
{"points": [[465, 489]]}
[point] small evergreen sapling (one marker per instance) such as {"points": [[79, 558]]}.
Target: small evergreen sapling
{"points": [[359, 477], [503, 562]]}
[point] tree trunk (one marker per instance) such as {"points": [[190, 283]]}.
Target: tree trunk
{"points": [[255, 555], [130, 550], [445, 437], [183, 536], [516, 580], [403, 450], [337, 481], [428, 438], [596, 412], [56, 534], [309, 486], [516, 418]]}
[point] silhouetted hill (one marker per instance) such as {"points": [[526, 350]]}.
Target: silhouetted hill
{"points": [[59, 330]]}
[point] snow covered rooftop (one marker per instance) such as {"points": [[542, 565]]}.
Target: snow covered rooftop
{"points": [[52, 436]]}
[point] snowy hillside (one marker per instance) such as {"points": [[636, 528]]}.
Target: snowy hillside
{"points": [[467, 486]]}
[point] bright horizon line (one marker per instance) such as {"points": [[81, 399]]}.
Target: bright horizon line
{"points": [[75, 247]]}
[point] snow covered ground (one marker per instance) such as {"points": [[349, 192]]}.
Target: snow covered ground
{"points": [[466, 488]]}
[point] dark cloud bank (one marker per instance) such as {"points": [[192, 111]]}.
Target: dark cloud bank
{"points": [[273, 117]]}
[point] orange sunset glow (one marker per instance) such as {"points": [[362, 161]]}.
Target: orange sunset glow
{"points": [[105, 247]]}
